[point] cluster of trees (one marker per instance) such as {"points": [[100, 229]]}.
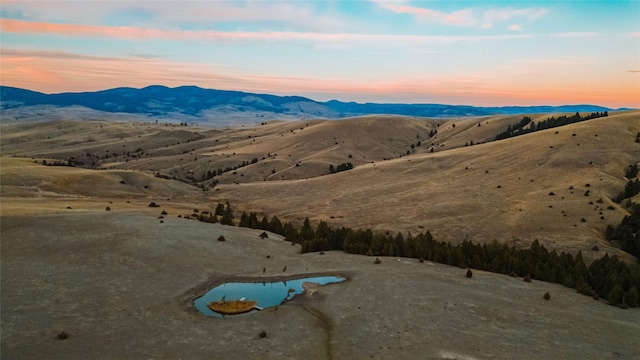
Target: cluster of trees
{"points": [[526, 126], [210, 174], [628, 232], [631, 189], [54, 163], [607, 278], [223, 215], [339, 168], [632, 171], [88, 160]]}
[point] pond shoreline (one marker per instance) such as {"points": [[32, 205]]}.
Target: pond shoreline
{"points": [[188, 297]]}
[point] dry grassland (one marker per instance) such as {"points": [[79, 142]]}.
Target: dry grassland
{"points": [[121, 282], [492, 191]]}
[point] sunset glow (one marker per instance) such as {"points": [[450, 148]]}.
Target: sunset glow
{"points": [[474, 53]]}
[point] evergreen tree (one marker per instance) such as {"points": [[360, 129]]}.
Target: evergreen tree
{"points": [[264, 224], [632, 171], [290, 233], [275, 226], [244, 220], [616, 295], [227, 216], [306, 232]]}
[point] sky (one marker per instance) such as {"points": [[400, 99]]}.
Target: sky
{"points": [[481, 53]]}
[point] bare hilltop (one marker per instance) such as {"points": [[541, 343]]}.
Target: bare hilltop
{"points": [[83, 252]]}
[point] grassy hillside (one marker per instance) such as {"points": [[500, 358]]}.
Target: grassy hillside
{"points": [[403, 180]]}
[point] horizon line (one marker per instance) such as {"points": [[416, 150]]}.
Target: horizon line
{"points": [[317, 101]]}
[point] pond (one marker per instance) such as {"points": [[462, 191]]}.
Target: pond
{"points": [[265, 294]]}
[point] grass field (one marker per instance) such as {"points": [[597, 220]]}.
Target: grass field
{"points": [[83, 252]]}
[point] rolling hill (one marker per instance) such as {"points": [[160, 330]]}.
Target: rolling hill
{"points": [[106, 251], [514, 190]]}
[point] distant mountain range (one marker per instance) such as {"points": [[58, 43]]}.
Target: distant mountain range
{"points": [[197, 104]]}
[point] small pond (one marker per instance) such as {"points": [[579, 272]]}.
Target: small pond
{"points": [[265, 294]]}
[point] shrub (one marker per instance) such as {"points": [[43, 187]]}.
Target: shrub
{"points": [[527, 278], [547, 296], [108, 209], [221, 238], [62, 335], [153, 204], [377, 261], [263, 334], [264, 235], [469, 273]]}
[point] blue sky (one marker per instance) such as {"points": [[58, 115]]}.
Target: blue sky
{"points": [[455, 52]]}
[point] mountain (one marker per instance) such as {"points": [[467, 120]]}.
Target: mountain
{"points": [[198, 104]]}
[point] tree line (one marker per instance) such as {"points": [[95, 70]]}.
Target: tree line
{"points": [[627, 233], [341, 167], [607, 278], [526, 126], [210, 174]]}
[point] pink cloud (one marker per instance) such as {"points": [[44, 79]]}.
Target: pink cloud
{"points": [[173, 14], [502, 15], [457, 18], [575, 34], [463, 17], [137, 33], [515, 27]]}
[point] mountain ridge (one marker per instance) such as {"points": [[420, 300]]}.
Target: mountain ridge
{"points": [[203, 104]]}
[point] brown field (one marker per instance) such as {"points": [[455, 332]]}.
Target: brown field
{"points": [[121, 282], [492, 191]]}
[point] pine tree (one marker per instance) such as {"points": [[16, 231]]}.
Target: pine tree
{"points": [[632, 297], [616, 295], [275, 226], [227, 216], [306, 232]]}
